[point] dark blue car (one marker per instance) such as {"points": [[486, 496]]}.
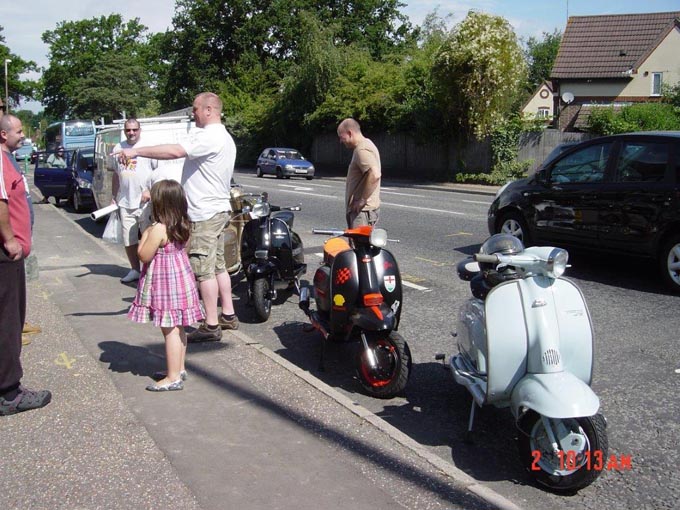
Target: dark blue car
{"points": [[72, 182], [284, 162]]}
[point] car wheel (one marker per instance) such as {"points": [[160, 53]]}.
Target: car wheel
{"points": [[512, 223], [258, 172], [669, 263], [77, 202], [279, 173], [310, 178]]}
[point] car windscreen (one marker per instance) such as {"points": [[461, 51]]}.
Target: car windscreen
{"points": [[289, 155]]}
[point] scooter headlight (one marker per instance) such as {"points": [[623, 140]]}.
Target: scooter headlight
{"points": [[378, 237], [557, 262]]}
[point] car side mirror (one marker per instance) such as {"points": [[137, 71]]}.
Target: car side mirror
{"points": [[540, 176]]}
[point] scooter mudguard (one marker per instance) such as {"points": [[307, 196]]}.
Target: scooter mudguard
{"points": [[554, 395], [374, 318], [261, 269]]}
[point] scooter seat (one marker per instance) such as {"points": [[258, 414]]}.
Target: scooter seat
{"points": [[332, 247]]}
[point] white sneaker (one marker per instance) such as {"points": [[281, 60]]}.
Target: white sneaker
{"points": [[132, 276]]}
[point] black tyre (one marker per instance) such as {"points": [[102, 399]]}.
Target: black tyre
{"points": [[77, 202], [566, 471], [394, 365], [279, 173], [669, 263], [310, 178], [512, 223], [263, 302], [258, 172]]}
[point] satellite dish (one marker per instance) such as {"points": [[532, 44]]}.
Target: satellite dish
{"points": [[567, 97]]}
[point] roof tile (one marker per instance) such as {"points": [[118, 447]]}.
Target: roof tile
{"points": [[608, 46]]}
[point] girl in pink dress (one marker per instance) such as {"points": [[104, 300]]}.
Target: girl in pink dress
{"points": [[166, 293]]}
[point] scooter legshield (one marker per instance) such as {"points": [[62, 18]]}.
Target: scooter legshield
{"points": [[555, 395], [344, 289]]}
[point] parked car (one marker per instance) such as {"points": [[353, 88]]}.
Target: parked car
{"points": [[617, 193], [284, 162], [24, 152], [73, 183]]}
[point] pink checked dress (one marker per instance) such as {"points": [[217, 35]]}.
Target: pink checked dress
{"points": [[166, 293]]}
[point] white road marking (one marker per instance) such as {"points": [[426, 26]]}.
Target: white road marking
{"points": [[426, 209], [402, 194], [414, 286], [475, 202], [296, 187], [422, 208], [304, 193]]}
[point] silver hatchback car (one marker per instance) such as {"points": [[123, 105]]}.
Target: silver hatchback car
{"points": [[284, 162]]}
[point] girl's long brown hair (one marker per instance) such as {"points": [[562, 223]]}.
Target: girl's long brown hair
{"points": [[170, 208]]}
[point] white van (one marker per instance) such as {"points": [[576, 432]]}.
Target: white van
{"points": [[155, 131]]}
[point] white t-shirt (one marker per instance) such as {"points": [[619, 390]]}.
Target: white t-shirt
{"points": [[132, 178], [208, 167]]}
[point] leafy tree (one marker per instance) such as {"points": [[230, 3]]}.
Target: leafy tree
{"points": [[210, 37], [541, 55], [79, 48], [479, 72], [416, 109], [109, 89], [18, 89]]}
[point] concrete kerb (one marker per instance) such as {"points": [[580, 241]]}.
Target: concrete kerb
{"points": [[466, 481]]}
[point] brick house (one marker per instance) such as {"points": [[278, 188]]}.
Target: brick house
{"points": [[613, 60]]}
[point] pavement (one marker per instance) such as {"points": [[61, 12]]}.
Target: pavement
{"points": [[249, 431]]}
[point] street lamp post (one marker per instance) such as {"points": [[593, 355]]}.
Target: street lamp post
{"points": [[7, 61]]}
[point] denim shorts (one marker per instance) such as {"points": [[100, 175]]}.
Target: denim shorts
{"points": [[206, 247]]}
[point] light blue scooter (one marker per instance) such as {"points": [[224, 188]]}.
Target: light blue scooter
{"points": [[525, 340]]}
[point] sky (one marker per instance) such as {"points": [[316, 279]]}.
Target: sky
{"points": [[24, 22]]}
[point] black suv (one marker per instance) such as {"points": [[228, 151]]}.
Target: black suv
{"points": [[616, 193]]}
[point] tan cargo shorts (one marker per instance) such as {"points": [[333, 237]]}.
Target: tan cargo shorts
{"points": [[206, 247]]}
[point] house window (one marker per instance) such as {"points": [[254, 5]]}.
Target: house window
{"points": [[657, 80], [543, 112]]}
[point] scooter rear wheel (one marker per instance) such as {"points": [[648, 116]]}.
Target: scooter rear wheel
{"points": [[394, 365], [571, 470], [262, 299]]}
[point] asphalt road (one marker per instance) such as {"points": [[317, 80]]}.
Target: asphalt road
{"points": [[635, 320]]}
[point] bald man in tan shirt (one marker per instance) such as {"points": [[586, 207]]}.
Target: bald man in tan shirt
{"points": [[362, 192]]}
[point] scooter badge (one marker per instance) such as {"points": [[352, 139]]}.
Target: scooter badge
{"points": [[390, 283], [338, 300]]}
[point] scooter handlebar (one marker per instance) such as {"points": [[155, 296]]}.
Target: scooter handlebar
{"points": [[328, 231], [489, 259]]}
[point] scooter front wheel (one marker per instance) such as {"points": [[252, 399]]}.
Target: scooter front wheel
{"points": [[262, 299], [393, 360], [564, 470]]}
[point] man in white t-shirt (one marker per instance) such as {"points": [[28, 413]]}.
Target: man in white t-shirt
{"points": [[128, 184], [210, 155]]}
